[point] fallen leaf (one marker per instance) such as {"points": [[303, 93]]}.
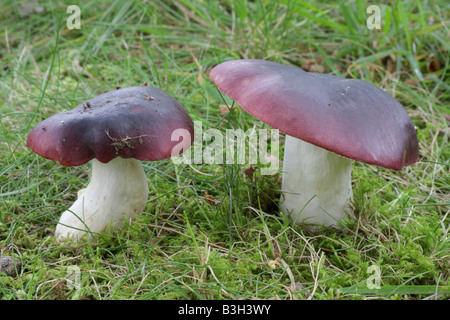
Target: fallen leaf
{"points": [[210, 199], [249, 172]]}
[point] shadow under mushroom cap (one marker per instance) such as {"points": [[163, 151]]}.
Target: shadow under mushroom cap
{"points": [[134, 122]]}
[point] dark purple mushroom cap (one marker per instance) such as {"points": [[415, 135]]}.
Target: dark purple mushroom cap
{"points": [[134, 122], [350, 117]]}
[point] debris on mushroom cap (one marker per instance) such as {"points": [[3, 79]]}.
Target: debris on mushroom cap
{"points": [[350, 117], [135, 122]]}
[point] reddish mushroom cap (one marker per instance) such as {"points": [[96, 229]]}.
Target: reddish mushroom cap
{"points": [[134, 122], [350, 117]]}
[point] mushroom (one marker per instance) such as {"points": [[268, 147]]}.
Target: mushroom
{"points": [[116, 130], [327, 121]]}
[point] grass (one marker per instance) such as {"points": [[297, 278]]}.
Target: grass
{"points": [[209, 231]]}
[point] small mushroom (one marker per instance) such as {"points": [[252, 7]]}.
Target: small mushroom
{"points": [[327, 121], [116, 130]]}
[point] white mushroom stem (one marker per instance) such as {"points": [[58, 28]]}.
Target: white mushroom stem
{"points": [[316, 184], [117, 192]]}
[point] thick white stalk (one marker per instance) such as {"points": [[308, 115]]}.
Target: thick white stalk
{"points": [[117, 192], [316, 184]]}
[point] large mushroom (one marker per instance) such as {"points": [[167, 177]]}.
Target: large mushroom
{"points": [[327, 121], [116, 130]]}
